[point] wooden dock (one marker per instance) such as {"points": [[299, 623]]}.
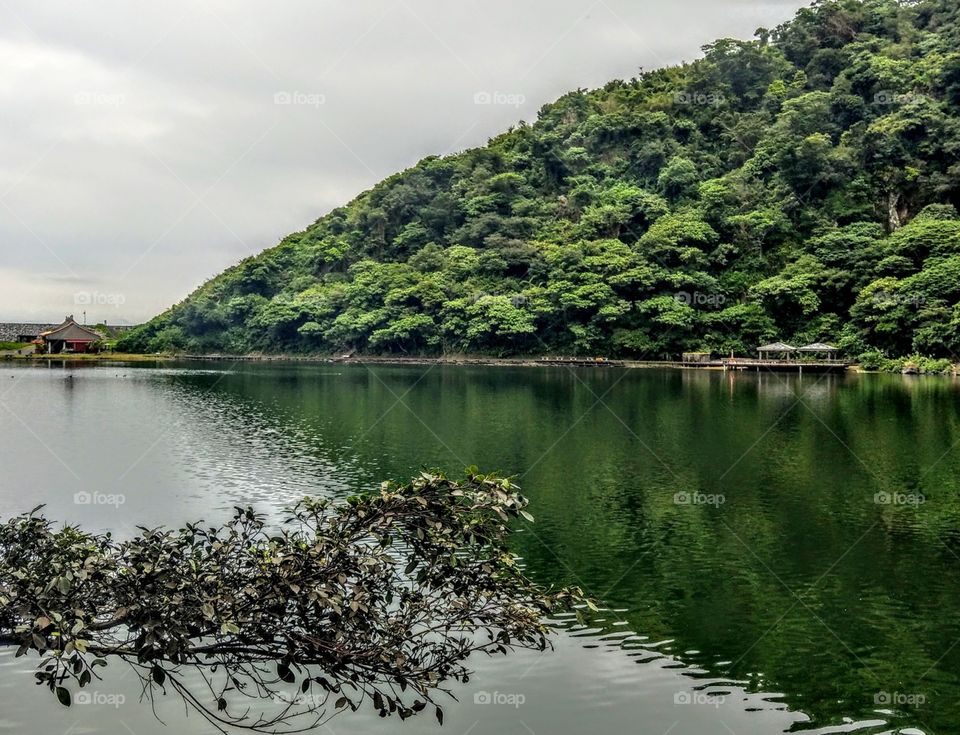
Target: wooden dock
{"points": [[758, 364]]}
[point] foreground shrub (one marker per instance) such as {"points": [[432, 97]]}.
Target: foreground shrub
{"points": [[377, 601]]}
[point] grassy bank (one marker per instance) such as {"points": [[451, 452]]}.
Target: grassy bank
{"points": [[103, 357], [910, 365]]}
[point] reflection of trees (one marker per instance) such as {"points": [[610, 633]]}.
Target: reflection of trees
{"points": [[795, 504], [603, 486]]}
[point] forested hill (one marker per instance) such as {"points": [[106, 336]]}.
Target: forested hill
{"points": [[801, 186]]}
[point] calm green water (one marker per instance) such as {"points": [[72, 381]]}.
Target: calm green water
{"points": [[777, 553]]}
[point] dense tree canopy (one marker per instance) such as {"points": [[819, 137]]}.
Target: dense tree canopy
{"points": [[801, 186], [376, 602]]}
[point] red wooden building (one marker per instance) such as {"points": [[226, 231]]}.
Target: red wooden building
{"points": [[69, 337]]}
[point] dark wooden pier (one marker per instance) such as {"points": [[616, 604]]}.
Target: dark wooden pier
{"points": [[759, 364]]}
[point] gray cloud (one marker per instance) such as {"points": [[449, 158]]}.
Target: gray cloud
{"points": [[144, 147]]}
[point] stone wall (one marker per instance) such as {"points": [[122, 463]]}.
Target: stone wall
{"points": [[11, 331]]}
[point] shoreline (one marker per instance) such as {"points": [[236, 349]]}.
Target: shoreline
{"points": [[352, 360], [460, 360], [456, 360], [81, 357]]}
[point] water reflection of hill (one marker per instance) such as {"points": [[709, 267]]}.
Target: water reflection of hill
{"points": [[789, 577], [799, 580]]}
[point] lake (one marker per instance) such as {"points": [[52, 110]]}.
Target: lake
{"points": [[773, 553]]}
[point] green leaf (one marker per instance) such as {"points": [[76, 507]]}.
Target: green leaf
{"points": [[284, 672], [63, 695]]}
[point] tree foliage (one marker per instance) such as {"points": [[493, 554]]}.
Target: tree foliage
{"points": [[783, 175], [376, 602]]}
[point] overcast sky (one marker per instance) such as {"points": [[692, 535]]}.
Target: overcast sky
{"points": [[144, 147]]}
